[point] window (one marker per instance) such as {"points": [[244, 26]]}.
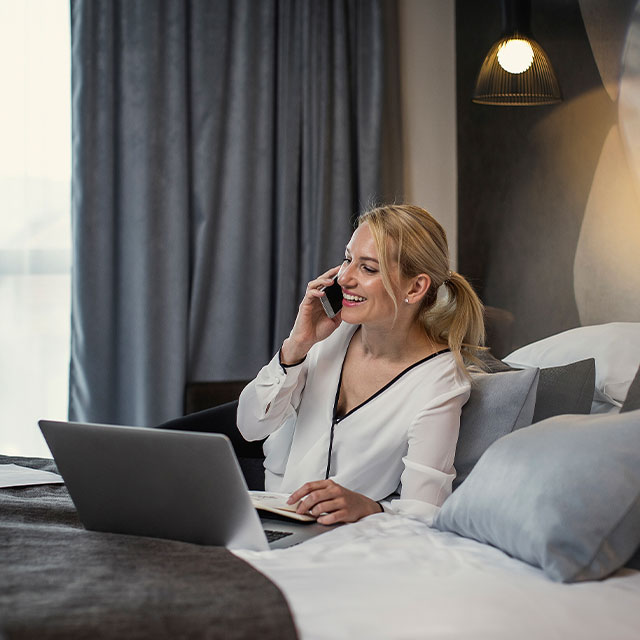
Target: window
{"points": [[35, 220]]}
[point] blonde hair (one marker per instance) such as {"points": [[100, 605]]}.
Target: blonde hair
{"points": [[420, 245]]}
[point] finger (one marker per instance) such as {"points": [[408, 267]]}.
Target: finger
{"points": [[334, 518], [319, 496], [310, 294], [306, 489], [331, 273], [325, 279], [327, 506], [307, 504], [311, 500], [319, 284]]}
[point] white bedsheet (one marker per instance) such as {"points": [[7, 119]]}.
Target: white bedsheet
{"points": [[394, 578]]}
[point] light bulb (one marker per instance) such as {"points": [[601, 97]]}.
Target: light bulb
{"points": [[515, 55]]}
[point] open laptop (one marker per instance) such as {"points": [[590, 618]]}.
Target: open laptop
{"points": [[180, 485]]}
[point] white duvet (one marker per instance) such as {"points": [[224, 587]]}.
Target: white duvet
{"points": [[392, 577]]}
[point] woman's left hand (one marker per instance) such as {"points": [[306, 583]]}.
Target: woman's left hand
{"points": [[337, 503]]}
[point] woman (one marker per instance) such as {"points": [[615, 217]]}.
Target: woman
{"points": [[368, 403]]}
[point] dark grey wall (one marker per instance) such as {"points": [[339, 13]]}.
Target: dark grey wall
{"points": [[525, 173]]}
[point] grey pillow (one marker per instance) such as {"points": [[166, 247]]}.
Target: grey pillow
{"points": [[565, 389], [491, 364], [632, 401], [563, 495], [498, 404]]}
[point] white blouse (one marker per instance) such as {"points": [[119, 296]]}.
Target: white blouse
{"points": [[401, 440]]}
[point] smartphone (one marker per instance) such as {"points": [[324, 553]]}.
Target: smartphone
{"points": [[332, 298]]}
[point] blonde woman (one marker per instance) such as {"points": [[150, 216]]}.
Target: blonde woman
{"points": [[362, 411]]}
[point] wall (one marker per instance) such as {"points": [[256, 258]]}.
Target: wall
{"points": [[549, 214], [427, 59]]}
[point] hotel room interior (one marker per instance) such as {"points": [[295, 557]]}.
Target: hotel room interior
{"points": [[219, 153]]}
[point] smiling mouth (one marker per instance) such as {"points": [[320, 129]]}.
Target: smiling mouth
{"points": [[351, 298]]}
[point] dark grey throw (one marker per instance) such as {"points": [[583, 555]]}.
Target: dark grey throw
{"points": [[58, 580]]}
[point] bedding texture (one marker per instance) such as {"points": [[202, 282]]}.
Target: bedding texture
{"points": [[563, 495], [390, 577], [59, 580]]}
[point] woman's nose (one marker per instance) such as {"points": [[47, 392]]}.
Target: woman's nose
{"points": [[344, 275]]}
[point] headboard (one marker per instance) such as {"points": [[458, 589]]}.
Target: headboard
{"points": [[549, 196]]}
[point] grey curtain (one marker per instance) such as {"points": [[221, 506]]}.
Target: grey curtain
{"points": [[220, 151]]}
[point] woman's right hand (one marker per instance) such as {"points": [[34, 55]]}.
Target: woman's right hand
{"points": [[312, 323]]}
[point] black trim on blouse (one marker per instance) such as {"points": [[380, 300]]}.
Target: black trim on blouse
{"points": [[288, 366], [379, 391], [336, 418]]}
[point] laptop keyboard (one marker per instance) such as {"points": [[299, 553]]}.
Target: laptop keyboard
{"points": [[272, 536]]}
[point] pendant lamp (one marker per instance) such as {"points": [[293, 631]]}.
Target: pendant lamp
{"points": [[516, 71]]}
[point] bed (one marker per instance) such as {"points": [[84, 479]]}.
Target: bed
{"points": [[391, 577], [540, 537]]}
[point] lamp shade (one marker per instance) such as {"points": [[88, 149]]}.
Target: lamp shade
{"points": [[516, 71]]}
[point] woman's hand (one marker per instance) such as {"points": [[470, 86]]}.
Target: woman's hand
{"points": [[337, 503], [312, 323]]}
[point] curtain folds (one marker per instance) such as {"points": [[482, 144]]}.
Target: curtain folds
{"points": [[220, 151]]}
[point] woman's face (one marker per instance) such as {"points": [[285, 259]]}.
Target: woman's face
{"points": [[366, 301]]}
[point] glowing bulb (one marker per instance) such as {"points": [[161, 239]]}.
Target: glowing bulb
{"points": [[515, 55]]}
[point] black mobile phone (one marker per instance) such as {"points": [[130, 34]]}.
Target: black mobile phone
{"points": [[332, 298]]}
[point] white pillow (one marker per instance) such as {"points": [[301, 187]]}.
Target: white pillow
{"points": [[615, 347]]}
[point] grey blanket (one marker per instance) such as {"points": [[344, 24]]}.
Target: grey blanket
{"points": [[58, 580]]}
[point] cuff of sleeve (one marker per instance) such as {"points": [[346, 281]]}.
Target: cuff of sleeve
{"points": [[427, 482], [416, 509], [386, 506], [270, 382], [288, 366]]}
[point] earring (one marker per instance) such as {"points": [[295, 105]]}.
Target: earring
{"points": [[406, 300]]}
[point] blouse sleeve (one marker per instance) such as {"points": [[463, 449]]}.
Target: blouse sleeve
{"points": [[267, 401], [428, 466]]}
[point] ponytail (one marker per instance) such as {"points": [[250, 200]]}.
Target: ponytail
{"points": [[456, 318]]}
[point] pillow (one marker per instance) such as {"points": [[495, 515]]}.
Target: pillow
{"points": [[615, 347], [498, 404], [600, 406], [634, 563], [565, 389], [563, 495], [632, 401], [490, 363]]}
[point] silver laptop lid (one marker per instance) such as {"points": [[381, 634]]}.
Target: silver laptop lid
{"points": [[180, 485]]}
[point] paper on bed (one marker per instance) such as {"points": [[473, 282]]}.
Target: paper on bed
{"points": [[13, 475]]}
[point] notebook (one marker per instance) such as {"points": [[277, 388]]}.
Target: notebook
{"points": [[179, 485]]}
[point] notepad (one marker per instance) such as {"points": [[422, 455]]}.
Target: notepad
{"points": [[13, 475], [277, 503]]}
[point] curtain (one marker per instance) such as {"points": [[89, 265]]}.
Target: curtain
{"points": [[220, 151]]}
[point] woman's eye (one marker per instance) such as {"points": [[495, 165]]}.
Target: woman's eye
{"points": [[369, 269], [346, 259]]}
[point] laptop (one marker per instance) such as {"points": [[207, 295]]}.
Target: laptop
{"points": [[179, 485]]}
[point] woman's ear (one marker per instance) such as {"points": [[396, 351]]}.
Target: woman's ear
{"points": [[418, 288]]}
